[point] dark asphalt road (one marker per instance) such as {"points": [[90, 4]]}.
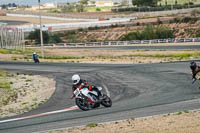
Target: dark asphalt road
{"points": [[11, 22], [169, 47], [136, 90]]}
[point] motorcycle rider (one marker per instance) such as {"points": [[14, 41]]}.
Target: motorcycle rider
{"points": [[35, 57], [80, 83], [194, 68]]}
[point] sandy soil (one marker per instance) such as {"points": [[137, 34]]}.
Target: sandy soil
{"points": [[104, 56], [30, 91], [116, 56], [188, 122]]}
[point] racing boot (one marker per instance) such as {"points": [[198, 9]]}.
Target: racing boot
{"points": [[98, 92]]}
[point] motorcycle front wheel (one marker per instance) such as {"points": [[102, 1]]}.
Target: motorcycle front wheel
{"points": [[82, 104], [106, 102]]}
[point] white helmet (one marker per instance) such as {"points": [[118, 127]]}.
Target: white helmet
{"points": [[76, 78]]}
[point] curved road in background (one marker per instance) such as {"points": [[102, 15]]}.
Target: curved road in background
{"points": [[143, 47], [12, 22], [136, 90]]}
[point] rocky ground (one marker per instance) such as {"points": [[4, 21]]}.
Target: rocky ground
{"points": [[181, 122]]}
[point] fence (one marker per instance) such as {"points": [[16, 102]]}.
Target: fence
{"points": [[115, 43], [150, 9], [11, 38]]}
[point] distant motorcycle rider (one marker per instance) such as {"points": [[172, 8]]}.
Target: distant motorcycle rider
{"points": [[80, 83], [194, 68], [35, 57]]}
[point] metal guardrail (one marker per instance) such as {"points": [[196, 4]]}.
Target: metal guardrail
{"points": [[115, 43]]}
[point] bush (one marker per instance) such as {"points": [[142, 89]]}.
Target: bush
{"points": [[35, 35], [150, 32], [198, 33], [47, 38], [54, 38], [98, 9]]}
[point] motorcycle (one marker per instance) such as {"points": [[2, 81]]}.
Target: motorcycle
{"points": [[197, 77], [36, 61], [83, 98]]}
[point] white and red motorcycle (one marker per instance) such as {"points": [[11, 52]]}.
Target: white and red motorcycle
{"points": [[83, 97]]}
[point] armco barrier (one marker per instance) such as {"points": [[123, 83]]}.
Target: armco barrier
{"points": [[115, 43]]}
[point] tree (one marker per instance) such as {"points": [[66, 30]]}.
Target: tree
{"points": [[68, 8], [35, 35], [84, 2], [54, 38], [79, 7], [145, 2], [124, 2]]}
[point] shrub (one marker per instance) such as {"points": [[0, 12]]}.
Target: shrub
{"points": [[92, 125], [198, 33], [186, 111], [47, 38], [98, 9], [150, 32]]}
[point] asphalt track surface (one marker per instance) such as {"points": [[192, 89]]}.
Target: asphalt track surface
{"points": [[11, 22], [136, 90], [167, 47]]}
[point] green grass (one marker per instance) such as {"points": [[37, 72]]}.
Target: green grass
{"points": [[5, 89], [175, 55], [179, 113], [9, 51], [133, 118], [63, 57], [91, 125], [28, 51], [4, 83], [186, 111]]}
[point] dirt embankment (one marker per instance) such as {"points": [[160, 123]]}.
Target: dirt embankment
{"points": [[26, 92], [187, 122], [181, 30]]}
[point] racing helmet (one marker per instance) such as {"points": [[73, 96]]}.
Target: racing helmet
{"points": [[75, 79], [193, 65]]}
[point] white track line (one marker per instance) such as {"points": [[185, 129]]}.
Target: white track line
{"points": [[39, 115]]}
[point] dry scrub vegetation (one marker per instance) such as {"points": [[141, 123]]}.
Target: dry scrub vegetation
{"points": [[23, 92], [102, 56], [181, 122]]}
